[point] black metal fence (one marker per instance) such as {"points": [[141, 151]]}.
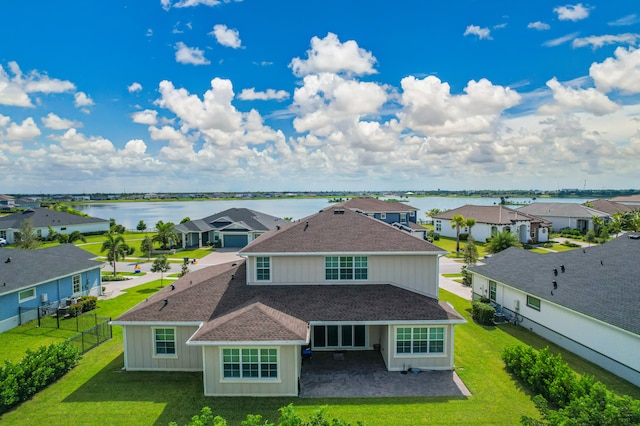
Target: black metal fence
{"points": [[54, 317], [92, 337]]}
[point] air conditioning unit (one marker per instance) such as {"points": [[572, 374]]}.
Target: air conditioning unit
{"points": [[44, 298]]}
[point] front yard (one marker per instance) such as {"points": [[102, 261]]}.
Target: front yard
{"points": [[99, 392]]}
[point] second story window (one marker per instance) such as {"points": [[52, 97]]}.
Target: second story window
{"points": [[346, 267], [263, 269]]}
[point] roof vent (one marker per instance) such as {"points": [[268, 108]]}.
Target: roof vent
{"points": [[173, 287], [278, 227], [555, 284], [306, 225], [8, 260], [562, 268], [166, 302], [338, 211]]}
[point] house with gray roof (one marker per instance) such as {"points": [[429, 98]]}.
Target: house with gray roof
{"points": [[36, 282], [235, 227], [583, 300], [400, 215], [337, 281], [565, 215], [607, 206], [42, 219], [493, 219]]}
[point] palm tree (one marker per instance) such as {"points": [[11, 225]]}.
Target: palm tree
{"points": [[166, 234], [470, 222], [76, 236], [116, 249], [160, 265], [457, 221], [501, 241]]}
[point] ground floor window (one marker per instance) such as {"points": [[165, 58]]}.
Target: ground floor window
{"points": [[76, 284], [492, 291], [533, 302], [164, 340], [419, 340], [248, 363], [26, 295], [339, 336]]}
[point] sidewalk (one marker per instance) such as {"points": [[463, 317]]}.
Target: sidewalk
{"points": [[455, 287]]}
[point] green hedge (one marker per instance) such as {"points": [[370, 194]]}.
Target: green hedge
{"points": [[577, 401], [482, 313], [86, 304], [35, 371]]}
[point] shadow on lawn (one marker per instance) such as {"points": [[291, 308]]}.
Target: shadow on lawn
{"points": [[182, 396]]}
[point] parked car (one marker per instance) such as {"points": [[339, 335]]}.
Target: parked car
{"points": [[3, 242]]}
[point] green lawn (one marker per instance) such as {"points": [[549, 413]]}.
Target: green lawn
{"points": [[449, 244], [98, 392]]}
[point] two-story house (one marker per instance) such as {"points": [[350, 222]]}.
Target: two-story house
{"points": [[395, 213], [335, 281]]}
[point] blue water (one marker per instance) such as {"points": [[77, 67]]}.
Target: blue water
{"points": [[128, 214]]}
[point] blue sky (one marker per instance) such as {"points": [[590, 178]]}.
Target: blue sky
{"points": [[207, 95]]}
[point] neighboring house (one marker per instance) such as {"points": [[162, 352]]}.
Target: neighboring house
{"points": [[565, 215], [334, 281], [628, 200], [45, 278], [42, 219], [234, 227], [400, 215], [608, 207], [583, 300], [491, 220], [7, 202]]}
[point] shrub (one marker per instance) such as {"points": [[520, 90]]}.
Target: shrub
{"points": [[464, 236], [86, 304], [35, 371], [482, 313]]}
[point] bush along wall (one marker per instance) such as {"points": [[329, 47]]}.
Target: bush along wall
{"points": [[482, 313], [35, 371], [86, 304], [564, 399]]}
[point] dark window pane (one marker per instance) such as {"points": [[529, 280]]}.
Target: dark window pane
{"points": [[347, 335], [332, 335], [319, 336], [360, 339]]}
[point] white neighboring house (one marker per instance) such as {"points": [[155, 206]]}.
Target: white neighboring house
{"points": [[584, 300], [491, 220], [334, 281], [43, 218], [565, 215]]}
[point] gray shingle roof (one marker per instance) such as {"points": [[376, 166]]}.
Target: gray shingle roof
{"points": [[42, 217], [609, 207], [561, 210], [251, 219], [374, 205], [218, 295], [494, 215], [29, 267], [338, 230], [626, 199], [602, 281]]}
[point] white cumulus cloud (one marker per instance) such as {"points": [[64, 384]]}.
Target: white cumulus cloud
{"points": [[572, 12], [538, 25], [567, 98], [226, 36], [52, 121], [134, 87], [482, 33], [621, 72], [81, 99], [190, 55], [14, 91], [330, 55], [251, 95], [27, 130], [148, 117]]}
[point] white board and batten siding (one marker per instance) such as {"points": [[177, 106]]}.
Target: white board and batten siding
{"points": [[289, 367], [610, 347], [418, 273], [139, 343]]}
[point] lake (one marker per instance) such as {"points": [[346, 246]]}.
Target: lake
{"points": [[130, 213]]}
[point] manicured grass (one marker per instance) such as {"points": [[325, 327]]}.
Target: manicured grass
{"points": [[98, 392], [452, 275], [94, 244], [449, 244]]}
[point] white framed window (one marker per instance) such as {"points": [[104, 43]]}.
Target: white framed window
{"points": [[250, 363], [383, 215], [403, 218], [533, 302], [164, 342], [438, 226], [492, 291], [412, 213], [419, 340], [26, 295], [77, 285], [263, 268], [346, 268]]}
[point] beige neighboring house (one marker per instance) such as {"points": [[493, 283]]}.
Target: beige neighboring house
{"points": [[334, 281], [491, 220], [607, 206], [628, 200]]}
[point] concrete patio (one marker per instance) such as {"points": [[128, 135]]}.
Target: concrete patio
{"points": [[355, 374]]}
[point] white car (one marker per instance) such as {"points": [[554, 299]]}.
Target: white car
{"points": [[3, 242]]}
